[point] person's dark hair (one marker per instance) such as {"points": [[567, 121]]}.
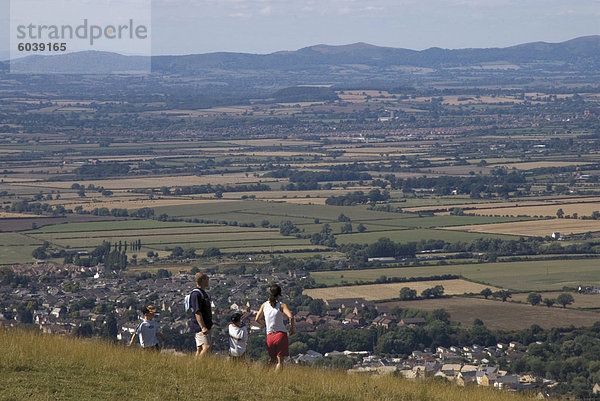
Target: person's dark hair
{"points": [[274, 292], [236, 317]]}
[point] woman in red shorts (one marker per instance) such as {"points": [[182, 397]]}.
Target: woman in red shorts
{"points": [[271, 315]]}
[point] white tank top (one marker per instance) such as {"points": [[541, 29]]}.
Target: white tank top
{"points": [[274, 318]]}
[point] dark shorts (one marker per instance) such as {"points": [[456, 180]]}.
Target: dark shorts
{"points": [[277, 344]]}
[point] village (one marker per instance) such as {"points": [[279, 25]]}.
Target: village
{"points": [[66, 298]]}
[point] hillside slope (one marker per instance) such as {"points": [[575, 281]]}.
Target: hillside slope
{"points": [[42, 367]]}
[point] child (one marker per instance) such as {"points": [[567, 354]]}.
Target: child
{"points": [[238, 336], [148, 330]]}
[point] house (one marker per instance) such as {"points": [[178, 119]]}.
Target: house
{"points": [[57, 313], [382, 321], [506, 382], [309, 357], [449, 371], [341, 304], [304, 327], [314, 319], [302, 315], [465, 378], [486, 377], [353, 318], [418, 372]]}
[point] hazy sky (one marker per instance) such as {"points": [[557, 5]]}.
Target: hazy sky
{"points": [[264, 26]]}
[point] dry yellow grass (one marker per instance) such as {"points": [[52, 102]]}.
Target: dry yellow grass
{"points": [[5, 215], [533, 228], [37, 367], [498, 315], [375, 292], [17, 180]]}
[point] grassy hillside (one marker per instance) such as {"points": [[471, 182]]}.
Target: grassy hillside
{"points": [[42, 367]]}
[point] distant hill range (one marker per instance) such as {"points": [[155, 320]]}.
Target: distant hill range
{"points": [[323, 64], [572, 51]]}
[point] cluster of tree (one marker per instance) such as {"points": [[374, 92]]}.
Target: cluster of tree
{"points": [[24, 206], [358, 198], [9, 278], [385, 247], [113, 259], [103, 211], [522, 246], [180, 253], [408, 294], [287, 227], [499, 182], [91, 187], [216, 189], [563, 299], [568, 355], [301, 186], [490, 247], [41, 251], [325, 236]]}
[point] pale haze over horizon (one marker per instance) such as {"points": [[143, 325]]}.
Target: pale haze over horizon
{"points": [[266, 26]]}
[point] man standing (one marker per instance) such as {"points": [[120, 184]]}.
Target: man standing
{"points": [[201, 319]]}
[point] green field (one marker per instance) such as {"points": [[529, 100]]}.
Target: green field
{"points": [[551, 275], [11, 239], [161, 236], [405, 235], [16, 254], [17, 248], [110, 226], [396, 226]]}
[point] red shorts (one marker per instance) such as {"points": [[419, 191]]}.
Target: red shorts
{"points": [[277, 344]]}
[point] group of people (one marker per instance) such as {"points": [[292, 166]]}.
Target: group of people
{"points": [[270, 316]]}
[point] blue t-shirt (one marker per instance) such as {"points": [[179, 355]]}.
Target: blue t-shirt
{"points": [[200, 304]]}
